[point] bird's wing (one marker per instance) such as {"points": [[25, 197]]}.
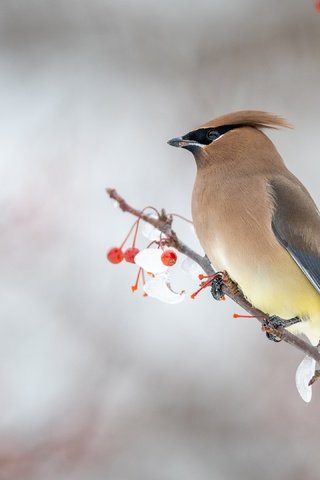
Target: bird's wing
{"points": [[296, 225]]}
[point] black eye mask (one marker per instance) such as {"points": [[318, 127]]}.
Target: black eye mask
{"points": [[205, 136]]}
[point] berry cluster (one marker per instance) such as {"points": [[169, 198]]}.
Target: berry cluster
{"points": [[116, 255], [156, 262]]}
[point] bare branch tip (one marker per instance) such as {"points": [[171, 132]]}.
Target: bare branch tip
{"points": [[315, 377], [110, 191]]}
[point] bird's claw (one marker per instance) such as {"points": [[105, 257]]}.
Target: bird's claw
{"points": [[274, 338], [216, 287], [273, 323]]}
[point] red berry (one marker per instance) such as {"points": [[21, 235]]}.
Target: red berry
{"points": [[317, 6], [169, 258], [115, 255], [130, 253]]}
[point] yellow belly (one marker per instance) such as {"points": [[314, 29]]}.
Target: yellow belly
{"points": [[275, 285]]}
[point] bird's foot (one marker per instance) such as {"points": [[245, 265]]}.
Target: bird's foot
{"points": [[273, 323], [216, 286], [215, 281], [220, 280]]}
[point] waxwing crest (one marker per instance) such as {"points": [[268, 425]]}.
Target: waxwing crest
{"points": [[250, 118]]}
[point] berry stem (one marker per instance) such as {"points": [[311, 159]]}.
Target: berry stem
{"points": [[181, 217], [134, 287], [204, 285], [202, 277], [161, 241], [135, 234], [154, 242], [151, 208], [144, 282], [138, 223], [128, 235]]}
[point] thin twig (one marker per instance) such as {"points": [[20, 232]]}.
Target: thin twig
{"points": [[315, 377], [164, 224]]}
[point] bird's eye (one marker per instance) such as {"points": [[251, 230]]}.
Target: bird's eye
{"points": [[212, 134]]}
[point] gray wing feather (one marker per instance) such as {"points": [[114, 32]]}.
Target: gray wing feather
{"points": [[296, 225]]}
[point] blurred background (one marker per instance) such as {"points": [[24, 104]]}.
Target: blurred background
{"points": [[97, 383]]}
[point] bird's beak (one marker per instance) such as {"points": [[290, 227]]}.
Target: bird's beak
{"points": [[175, 142], [180, 142]]}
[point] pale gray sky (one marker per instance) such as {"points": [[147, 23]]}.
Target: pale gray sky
{"points": [[90, 91]]}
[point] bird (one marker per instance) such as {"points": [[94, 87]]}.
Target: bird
{"points": [[255, 219]]}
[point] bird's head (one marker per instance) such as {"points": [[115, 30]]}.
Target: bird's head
{"points": [[228, 134]]}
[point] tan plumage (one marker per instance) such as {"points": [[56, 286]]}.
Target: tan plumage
{"points": [[255, 219]]}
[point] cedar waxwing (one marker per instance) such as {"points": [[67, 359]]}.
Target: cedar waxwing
{"points": [[254, 218]]}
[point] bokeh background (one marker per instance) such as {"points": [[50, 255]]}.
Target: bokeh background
{"points": [[97, 383]]}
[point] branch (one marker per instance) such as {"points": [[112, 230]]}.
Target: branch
{"points": [[230, 289]]}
